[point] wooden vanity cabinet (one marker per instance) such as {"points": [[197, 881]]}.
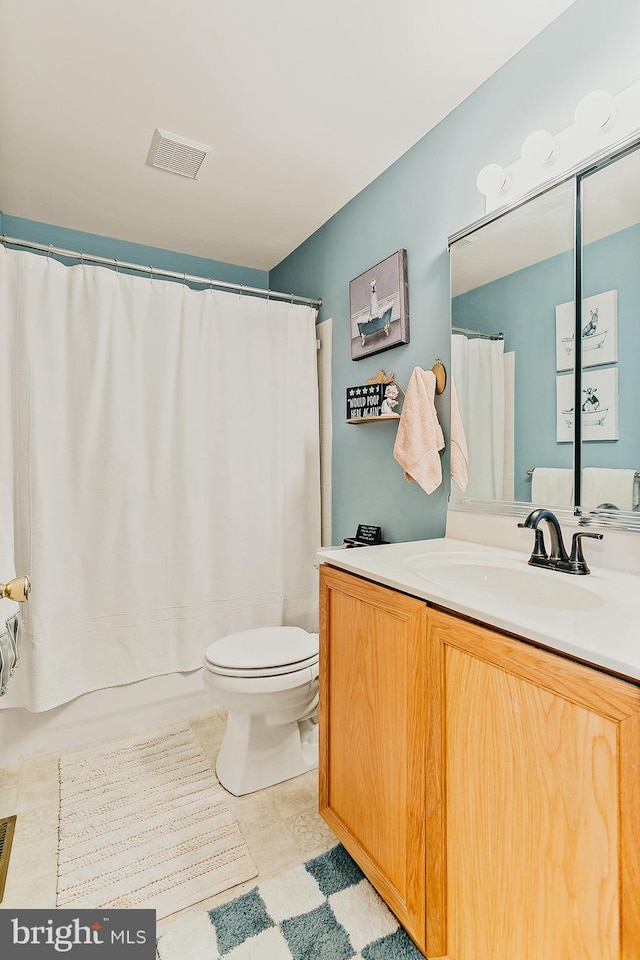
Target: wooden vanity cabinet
{"points": [[373, 735], [537, 801], [507, 776]]}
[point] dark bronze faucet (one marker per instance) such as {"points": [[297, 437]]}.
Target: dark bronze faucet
{"points": [[557, 559]]}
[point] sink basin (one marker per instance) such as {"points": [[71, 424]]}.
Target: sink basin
{"points": [[502, 582]]}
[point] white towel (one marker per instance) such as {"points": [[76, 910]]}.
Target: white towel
{"points": [[552, 486], [419, 438], [602, 485], [9, 657]]}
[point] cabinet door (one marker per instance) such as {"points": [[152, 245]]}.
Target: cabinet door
{"points": [[537, 765], [372, 735]]}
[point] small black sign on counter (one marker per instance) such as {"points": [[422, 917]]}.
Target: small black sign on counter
{"points": [[365, 401], [366, 536]]}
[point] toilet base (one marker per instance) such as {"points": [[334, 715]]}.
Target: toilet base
{"points": [[255, 754]]}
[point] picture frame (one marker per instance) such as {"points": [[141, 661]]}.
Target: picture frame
{"points": [[379, 307], [599, 405], [599, 331]]}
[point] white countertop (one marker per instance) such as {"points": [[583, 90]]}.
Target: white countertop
{"points": [[607, 636]]}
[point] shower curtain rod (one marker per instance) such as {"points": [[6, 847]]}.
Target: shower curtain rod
{"points": [[478, 333], [157, 272]]}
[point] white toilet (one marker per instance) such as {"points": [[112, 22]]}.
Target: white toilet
{"points": [[268, 681]]}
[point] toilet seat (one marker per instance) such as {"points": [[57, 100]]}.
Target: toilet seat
{"points": [[262, 671], [263, 652]]}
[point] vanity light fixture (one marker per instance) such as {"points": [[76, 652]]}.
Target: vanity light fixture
{"points": [[600, 120], [595, 113], [493, 179], [539, 148]]}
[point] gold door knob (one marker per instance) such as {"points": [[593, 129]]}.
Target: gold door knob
{"points": [[18, 589]]}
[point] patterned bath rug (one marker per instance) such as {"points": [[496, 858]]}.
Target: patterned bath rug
{"points": [[145, 823], [323, 910]]}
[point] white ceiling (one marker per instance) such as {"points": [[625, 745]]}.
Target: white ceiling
{"points": [[304, 105]]}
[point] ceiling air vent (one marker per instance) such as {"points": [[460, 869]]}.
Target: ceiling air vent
{"points": [[176, 154]]}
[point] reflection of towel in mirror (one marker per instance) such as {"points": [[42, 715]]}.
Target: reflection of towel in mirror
{"points": [[552, 487], [601, 485], [419, 438], [459, 453]]}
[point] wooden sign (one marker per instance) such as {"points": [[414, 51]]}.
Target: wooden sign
{"points": [[365, 401]]}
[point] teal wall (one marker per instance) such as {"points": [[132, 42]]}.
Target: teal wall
{"points": [[130, 252], [522, 305], [428, 194]]}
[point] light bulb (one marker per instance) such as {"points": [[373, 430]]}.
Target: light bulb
{"points": [[539, 148], [493, 179], [596, 112]]}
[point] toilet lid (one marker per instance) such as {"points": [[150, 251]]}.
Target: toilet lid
{"points": [[265, 650]]}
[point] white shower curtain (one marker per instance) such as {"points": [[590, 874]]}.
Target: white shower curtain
{"points": [[161, 447], [477, 366]]}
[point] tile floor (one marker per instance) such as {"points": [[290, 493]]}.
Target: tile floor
{"points": [[280, 825]]}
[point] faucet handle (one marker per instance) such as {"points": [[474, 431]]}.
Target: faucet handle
{"points": [[539, 551], [577, 561]]}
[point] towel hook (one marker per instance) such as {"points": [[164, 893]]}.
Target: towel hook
{"points": [[440, 374]]}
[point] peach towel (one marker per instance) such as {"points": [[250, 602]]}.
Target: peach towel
{"points": [[459, 452], [419, 438]]}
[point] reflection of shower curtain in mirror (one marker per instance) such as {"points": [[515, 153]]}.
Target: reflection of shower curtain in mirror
{"points": [[478, 368]]}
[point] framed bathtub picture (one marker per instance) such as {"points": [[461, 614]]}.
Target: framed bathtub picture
{"points": [[599, 331], [599, 405], [379, 307]]}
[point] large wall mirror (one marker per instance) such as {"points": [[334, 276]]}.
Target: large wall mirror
{"points": [[517, 337]]}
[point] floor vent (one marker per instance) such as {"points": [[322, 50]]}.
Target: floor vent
{"points": [[176, 154], [7, 827]]}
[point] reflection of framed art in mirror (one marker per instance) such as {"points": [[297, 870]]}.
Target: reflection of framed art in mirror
{"points": [[599, 406], [599, 331]]}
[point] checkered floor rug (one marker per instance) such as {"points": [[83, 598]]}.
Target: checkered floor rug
{"points": [[324, 910]]}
